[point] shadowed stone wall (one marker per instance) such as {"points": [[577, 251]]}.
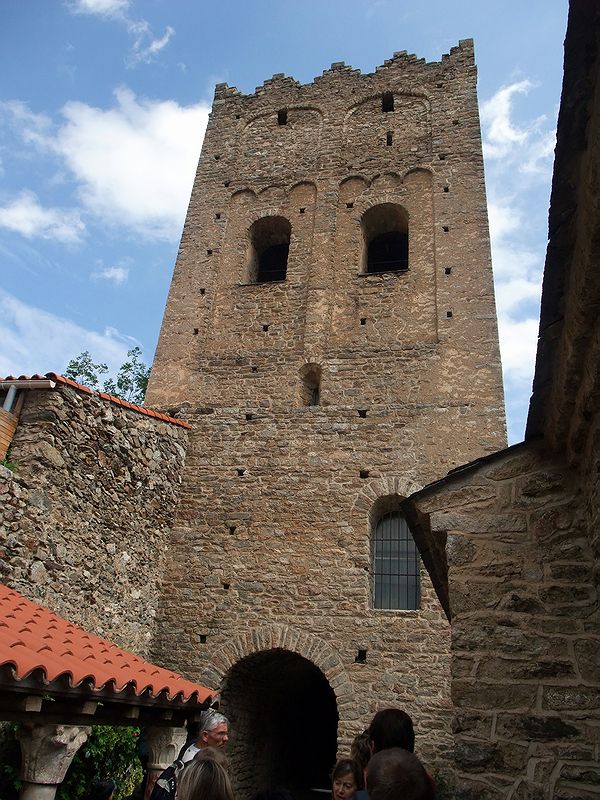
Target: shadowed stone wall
{"points": [[275, 522], [84, 518], [525, 638]]}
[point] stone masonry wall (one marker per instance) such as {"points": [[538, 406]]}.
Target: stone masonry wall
{"points": [[525, 633], [274, 528], [84, 518]]}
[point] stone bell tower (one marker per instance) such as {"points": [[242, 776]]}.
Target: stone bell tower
{"points": [[331, 335]]}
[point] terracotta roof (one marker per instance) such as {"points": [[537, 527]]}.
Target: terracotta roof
{"points": [[53, 376], [39, 643]]}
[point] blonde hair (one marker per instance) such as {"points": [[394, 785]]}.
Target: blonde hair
{"points": [[204, 779]]}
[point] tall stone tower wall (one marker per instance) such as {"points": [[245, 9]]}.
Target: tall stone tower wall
{"points": [[271, 552]]}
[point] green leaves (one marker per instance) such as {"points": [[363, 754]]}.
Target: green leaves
{"points": [[109, 754], [131, 381]]}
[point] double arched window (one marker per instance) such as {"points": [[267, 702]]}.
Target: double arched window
{"points": [[268, 250], [396, 565], [385, 237]]}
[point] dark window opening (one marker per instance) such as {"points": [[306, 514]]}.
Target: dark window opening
{"points": [[269, 249], [385, 235], [249, 417], [226, 183], [363, 320], [349, 205], [362, 413], [196, 331], [388, 138], [254, 369], [202, 291], [364, 473], [282, 117], [217, 158], [448, 314], [445, 228], [310, 387], [218, 215], [266, 328], [388, 252], [446, 189], [448, 271], [202, 638], [302, 210], [361, 657], [396, 565], [232, 529], [226, 586], [209, 252], [387, 101], [442, 156], [240, 471]]}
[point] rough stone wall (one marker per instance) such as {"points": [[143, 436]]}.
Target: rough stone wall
{"points": [[84, 518], [525, 634], [274, 524]]}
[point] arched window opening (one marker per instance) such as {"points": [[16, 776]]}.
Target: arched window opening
{"points": [[385, 235], [310, 386], [396, 565], [269, 249]]}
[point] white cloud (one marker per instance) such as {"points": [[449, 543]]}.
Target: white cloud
{"points": [[26, 216], [34, 340], [145, 46], [501, 131], [101, 7], [115, 274], [518, 159], [134, 163], [518, 343]]}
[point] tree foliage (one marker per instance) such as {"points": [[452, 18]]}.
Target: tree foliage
{"points": [[131, 381], [108, 754]]}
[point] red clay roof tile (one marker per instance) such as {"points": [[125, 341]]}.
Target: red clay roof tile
{"points": [[53, 376], [33, 638]]}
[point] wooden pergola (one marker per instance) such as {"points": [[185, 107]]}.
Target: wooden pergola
{"points": [[57, 680]]}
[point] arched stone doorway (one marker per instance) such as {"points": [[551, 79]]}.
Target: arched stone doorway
{"points": [[284, 720]]}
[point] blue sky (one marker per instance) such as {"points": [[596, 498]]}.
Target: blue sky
{"points": [[103, 105]]}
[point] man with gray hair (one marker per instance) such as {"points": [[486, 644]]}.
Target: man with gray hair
{"points": [[213, 731]]}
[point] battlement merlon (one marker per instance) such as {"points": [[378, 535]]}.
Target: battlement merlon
{"points": [[401, 62]]}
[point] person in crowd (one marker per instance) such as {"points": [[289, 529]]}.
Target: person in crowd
{"points": [[395, 773], [204, 779], [391, 727], [213, 731], [360, 751], [101, 790], [346, 779]]}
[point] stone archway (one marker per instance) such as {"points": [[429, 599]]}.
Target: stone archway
{"points": [[284, 692]]}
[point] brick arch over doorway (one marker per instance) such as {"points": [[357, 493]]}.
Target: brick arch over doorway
{"points": [[284, 721]]}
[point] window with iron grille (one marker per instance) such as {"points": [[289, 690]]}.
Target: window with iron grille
{"points": [[396, 565]]}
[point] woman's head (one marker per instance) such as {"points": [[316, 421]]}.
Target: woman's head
{"points": [[392, 727], [204, 779], [346, 779]]}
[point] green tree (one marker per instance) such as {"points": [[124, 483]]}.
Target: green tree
{"points": [[131, 381], [108, 754], [83, 370]]}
